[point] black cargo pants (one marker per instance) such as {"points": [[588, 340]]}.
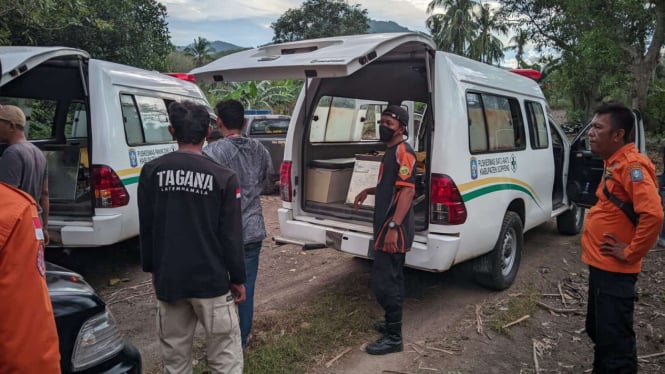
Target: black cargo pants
{"points": [[388, 283], [609, 321]]}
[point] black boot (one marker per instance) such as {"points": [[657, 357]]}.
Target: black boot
{"points": [[390, 342], [380, 327]]}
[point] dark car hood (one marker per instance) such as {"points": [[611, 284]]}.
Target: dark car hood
{"points": [[62, 281]]}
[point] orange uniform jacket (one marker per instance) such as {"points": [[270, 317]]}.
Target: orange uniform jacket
{"points": [[28, 336], [631, 177]]}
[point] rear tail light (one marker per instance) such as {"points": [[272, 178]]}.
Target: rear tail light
{"points": [[446, 204], [109, 190], [285, 182]]}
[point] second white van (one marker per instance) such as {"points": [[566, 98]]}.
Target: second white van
{"points": [[97, 122]]}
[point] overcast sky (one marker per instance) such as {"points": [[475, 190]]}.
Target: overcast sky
{"points": [[247, 23]]}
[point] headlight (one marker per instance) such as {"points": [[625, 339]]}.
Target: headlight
{"points": [[98, 340]]}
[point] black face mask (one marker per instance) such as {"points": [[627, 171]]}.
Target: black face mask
{"points": [[386, 133]]}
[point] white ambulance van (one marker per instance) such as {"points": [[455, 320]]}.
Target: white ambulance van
{"points": [[97, 122], [491, 163]]}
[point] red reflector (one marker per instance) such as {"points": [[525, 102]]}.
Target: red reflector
{"points": [[109, 190], [529, 73], [183, 76], [446, 204], [285, 182]]}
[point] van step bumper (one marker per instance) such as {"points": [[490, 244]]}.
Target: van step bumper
{"points": [[306, 246]]}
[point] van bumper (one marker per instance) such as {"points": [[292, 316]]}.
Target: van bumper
{"points": [[100, 231], [436, 253]]}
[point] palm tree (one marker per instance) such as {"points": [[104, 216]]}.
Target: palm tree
{"points": [[486, 47], [518, 42], [200, 50], [453, 30]]}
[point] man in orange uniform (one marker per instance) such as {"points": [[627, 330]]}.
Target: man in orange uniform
{"points": [[28, 337], [612, 245]]}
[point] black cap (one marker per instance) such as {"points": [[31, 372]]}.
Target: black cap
{"points": [[399, 114]]}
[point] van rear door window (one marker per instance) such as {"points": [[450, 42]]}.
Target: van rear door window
{"points": [[495, 123], [264, 126], [341, 119]]}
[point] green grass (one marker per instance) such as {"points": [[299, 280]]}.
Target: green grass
{"points": [[516, 307], [290, 341]]}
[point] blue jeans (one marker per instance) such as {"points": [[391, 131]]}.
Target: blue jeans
{"points": [[246, 309]]}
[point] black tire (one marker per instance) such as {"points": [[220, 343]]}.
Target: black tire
{"points": [[497, 270], [570, 222]]}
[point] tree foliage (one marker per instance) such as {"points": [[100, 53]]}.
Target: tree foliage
{"points": [[200, 50], [320, 18], [277, 96], [132, 32], [603, 44], [467, 28]]}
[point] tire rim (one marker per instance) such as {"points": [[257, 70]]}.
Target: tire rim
{"points": [[508, 252]]}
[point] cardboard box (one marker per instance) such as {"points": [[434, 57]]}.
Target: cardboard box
{"points": [[327, 185], [365, 174]]}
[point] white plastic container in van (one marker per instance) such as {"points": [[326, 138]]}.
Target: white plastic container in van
{"points": [[491, 162]]}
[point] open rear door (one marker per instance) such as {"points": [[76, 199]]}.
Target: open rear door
{"points": [[318, 58], [16, 61], [586, 169]]}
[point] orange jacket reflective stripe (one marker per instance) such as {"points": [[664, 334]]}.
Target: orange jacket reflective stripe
{"points": [[28, 336], [631, 177]]}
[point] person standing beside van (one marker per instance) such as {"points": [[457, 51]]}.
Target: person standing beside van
{"points": [[28, 335], [614, 244], [22, 164], [252, 164], [393, 226], [191, 241]]}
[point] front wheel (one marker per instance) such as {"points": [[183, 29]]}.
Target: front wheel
{"points": [[570, 222], [498, 269]]}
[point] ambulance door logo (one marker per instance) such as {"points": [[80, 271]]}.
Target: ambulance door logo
{"points": [[133, 160], [474, 168]]}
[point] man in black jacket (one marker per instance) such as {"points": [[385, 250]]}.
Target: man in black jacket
{"points": [[191, 241]]}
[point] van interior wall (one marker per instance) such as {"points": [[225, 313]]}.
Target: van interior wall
{"points": [[393, 81]]}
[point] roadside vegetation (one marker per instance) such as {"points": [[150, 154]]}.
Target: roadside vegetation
{"points": [[312, 333]]}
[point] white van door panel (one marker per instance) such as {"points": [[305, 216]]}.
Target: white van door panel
{"points": [[317, 58], [16, 61]]}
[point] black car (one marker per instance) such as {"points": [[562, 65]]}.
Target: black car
{"points": [[90, 341]]}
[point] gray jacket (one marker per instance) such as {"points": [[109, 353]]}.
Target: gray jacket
{"points": [[252, 164]]}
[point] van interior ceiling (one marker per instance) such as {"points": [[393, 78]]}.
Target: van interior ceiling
{"points": [[53, 96], [395, 78]]}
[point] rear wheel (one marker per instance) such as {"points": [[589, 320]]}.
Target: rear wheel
{"points": [[498, 269], [570, 222]]}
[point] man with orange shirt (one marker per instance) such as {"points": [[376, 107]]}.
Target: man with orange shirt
{"points": [[613, 245], [28, 336]]}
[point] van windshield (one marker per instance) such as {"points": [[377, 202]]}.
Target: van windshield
{"points": [[342, 119]]}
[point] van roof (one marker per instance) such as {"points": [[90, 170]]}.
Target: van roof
{"points": [[129, 76], [472, 71]]}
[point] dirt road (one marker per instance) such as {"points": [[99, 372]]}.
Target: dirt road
{"points": [[448, 317]]}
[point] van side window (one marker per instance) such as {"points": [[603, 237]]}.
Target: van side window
{"points": [[130, 117], [495, 123], [146, 119], [537, 125]]}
